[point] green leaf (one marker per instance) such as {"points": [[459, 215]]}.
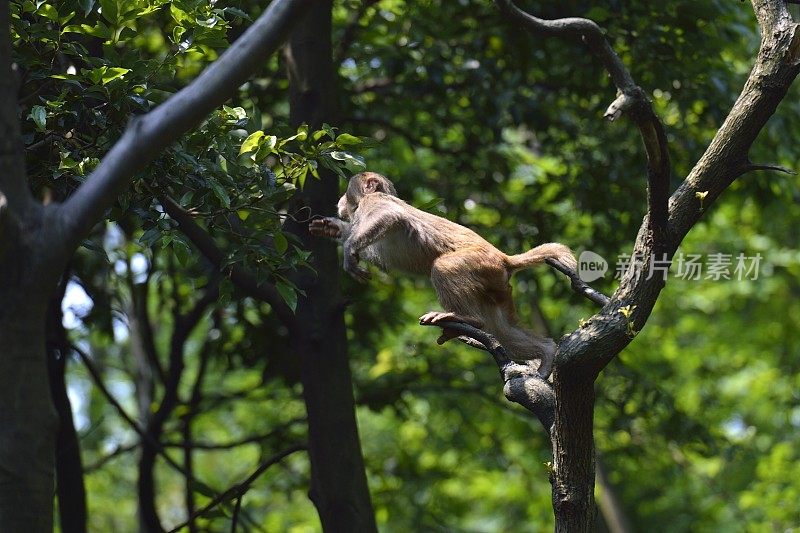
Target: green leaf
{"points": [[281, 244], [182, 252], [99, 30], [39, 116], [207, 22], [48, 11], [237, 13], [219, 192], [109, 10], [345, 139], [150, 236], [288, 294], [252, 142], [266, 148], [110, 74], [349, 158]]}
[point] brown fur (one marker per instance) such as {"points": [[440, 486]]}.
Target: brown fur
{"points": [[471, 277]]}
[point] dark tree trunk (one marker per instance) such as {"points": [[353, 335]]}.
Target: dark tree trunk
{"points": [[27, 418], [338, 479], [573, 450], [70, 489]]}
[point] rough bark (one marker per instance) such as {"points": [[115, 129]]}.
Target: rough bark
{"points": [[338, 479], [573, 450], [27, 418]]}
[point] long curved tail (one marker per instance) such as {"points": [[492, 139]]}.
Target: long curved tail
{"points": [[536, 256]]}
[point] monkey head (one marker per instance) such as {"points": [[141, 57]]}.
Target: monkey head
{"points": [[360, 185]]}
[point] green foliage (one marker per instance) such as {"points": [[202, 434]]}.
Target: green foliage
{"points": [[697, 422]]}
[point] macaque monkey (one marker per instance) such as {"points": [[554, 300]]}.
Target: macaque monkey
{"points": [[469, 274]]}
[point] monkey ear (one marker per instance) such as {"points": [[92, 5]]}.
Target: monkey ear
{"points": [[372, 185]]}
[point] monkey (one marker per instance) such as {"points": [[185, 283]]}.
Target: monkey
{"points": [[470, 276]]}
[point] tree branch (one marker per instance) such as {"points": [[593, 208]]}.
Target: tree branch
{"points": [[12, 164], [251, 439], [522, 382], [98, 381], [578, 285], [240, 489], [750, 167], [205, 243], [630, 98], [775, 68], [147, 135]]}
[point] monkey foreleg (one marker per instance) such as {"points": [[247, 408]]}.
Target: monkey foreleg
{"points": [[330, 227]]}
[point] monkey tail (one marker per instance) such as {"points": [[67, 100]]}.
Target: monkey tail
{"points": [[536, 256]]}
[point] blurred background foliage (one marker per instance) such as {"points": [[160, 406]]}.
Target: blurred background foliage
{"points": [[697, 422]]}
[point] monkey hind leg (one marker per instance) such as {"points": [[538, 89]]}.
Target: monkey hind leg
{"points": [[434, 317], [524, 345]]}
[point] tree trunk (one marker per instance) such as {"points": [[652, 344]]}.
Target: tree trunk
{"points": [[338, 479], [69, 469], [27, 418], [573, 450]]}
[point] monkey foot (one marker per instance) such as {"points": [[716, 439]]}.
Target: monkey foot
{"points": [[434, 317]]}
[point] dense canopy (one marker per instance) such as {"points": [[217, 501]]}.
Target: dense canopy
{"points": [[179, 334]]}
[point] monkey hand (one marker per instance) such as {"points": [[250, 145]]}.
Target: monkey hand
{"points": [[325, 227], [352, 267]]}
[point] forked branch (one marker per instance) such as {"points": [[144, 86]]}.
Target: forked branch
{"points": [[631, 99], [726, 158], [522, 382]]}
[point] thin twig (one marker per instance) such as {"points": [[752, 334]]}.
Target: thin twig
{"points": [[121, 410], [578, 285], [236, 491], [750, 167]]}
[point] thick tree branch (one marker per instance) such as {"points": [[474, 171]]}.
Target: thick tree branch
{"points": [[12, 164], [523, 384], [147, 135], [205, 243], [776, 67]]}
